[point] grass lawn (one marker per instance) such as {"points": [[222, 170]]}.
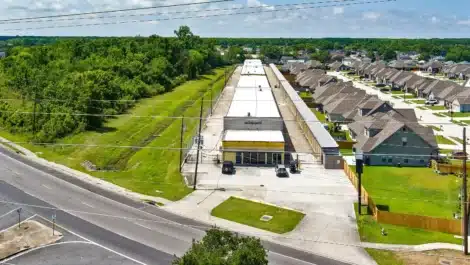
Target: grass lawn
{"points": [[346, 151], [418, 101], [412, 190], [249, 213], [437, 107], [443, 140], [459, 123], [149, 171], [384, 257], [397, 92], [457, 139], [406, 97], [438, 114], [305, 94], [466, 122], [422, 108], [435, 128], [370, 231], [320, 116], [458, 114], [446, 151]]}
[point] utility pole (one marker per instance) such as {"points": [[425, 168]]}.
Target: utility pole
{"points": [[464, 195], [212, 86], [181, 142], [225, 77], [359, 169], [198, 144], [34, 113], [53, 223]]}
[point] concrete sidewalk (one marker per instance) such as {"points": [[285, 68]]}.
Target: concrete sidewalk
{"points": [[423, 247]]}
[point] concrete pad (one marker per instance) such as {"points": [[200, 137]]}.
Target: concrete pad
{"points": [[30, 234]]}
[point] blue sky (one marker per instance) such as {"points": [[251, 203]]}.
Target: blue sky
{"points": [[402, 18]]}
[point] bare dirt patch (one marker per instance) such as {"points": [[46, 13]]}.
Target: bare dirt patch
{"points": [[434, 257], [30, 234]]}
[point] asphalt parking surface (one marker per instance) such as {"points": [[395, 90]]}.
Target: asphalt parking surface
{"points": [[71, 253]]}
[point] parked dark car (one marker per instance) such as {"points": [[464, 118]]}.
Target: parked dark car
{"points": [[228, 167], [281, 171], [458, 154]]}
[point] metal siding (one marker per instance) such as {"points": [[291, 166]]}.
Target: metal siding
{"points": [[250, 123], [238, 145]]}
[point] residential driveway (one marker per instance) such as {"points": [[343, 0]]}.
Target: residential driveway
{"points": [[425, 117]]}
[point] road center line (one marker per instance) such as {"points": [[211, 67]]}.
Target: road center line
{"points": [[91, 206], [47, 187]]}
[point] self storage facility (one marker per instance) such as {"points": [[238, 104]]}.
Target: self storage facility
{"points": [[253, 126]]}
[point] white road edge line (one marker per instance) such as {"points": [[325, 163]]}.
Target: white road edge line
{"points": [[41, 247], [91, 206], [47, 187], [3, 215], [144, 226], [22, 221], [84, 238], [292, 258]]}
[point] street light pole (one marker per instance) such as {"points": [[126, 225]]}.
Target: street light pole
{"points": [[464, 195]]}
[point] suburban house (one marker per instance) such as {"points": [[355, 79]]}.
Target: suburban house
{"points": [[403, 65], [461, 101], [435, 88], [314, 64], [322, 93], [309, 77], [338, 66], [457, 71], [383, 75], [284, 59], [337, 105], [410, 83], [433, 67], [391, 138]]}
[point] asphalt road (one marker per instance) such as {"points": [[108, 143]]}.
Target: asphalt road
{"points": [[132, 229]]}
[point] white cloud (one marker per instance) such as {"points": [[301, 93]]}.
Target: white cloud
{"points": [[464, 22], [338, 10], [434, 20], [371, 15]]}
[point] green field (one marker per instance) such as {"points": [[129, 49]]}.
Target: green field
{"points": [[370, 231], [443, 140], [249, 213], [457, 139], [412, 190], [418, 101], [438, 107], [320, 116], [153, 170], [458, 114], [434, 128], [384, 257]]}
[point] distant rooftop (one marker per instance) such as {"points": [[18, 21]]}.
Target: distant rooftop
{"points": [[253, 81], [254, 102]]}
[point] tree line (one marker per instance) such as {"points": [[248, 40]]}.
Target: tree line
{"points": [[94, 76], [453, 49]]}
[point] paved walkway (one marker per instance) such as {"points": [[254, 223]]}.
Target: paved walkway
{"points": [[295, 132], [423, 247]]}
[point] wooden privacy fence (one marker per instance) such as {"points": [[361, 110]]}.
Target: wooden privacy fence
{"points": [[448, 168], [409, 220]]}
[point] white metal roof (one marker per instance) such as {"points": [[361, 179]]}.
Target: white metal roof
{"points": [[253, 81], [251, 100], [253, 70], [252, 62], [254, 136]]}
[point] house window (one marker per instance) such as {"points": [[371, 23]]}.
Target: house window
{"points": [[384, 159], [421, 161], [405, 160], [390, 160], [404, 141], [404, 129]]}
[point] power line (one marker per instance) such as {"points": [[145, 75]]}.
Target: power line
{"points": [[175, 12], [113, 11], [194, 17]]}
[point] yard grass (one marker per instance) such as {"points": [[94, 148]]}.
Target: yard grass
{"points": [[249, 213], [446, 151], [406, 97], [457, 139], [150, 171], [435, 128], [346, 151], [443, 140], [320, 116], [397, 92], [412, 190], [438, 114], [418, 101], [458, 123], [370, 231], [384, 257], [458, 114], [438, 107], [423, 108]]}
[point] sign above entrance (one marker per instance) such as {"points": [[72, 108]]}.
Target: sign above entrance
{"points": [[253, 122]]}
